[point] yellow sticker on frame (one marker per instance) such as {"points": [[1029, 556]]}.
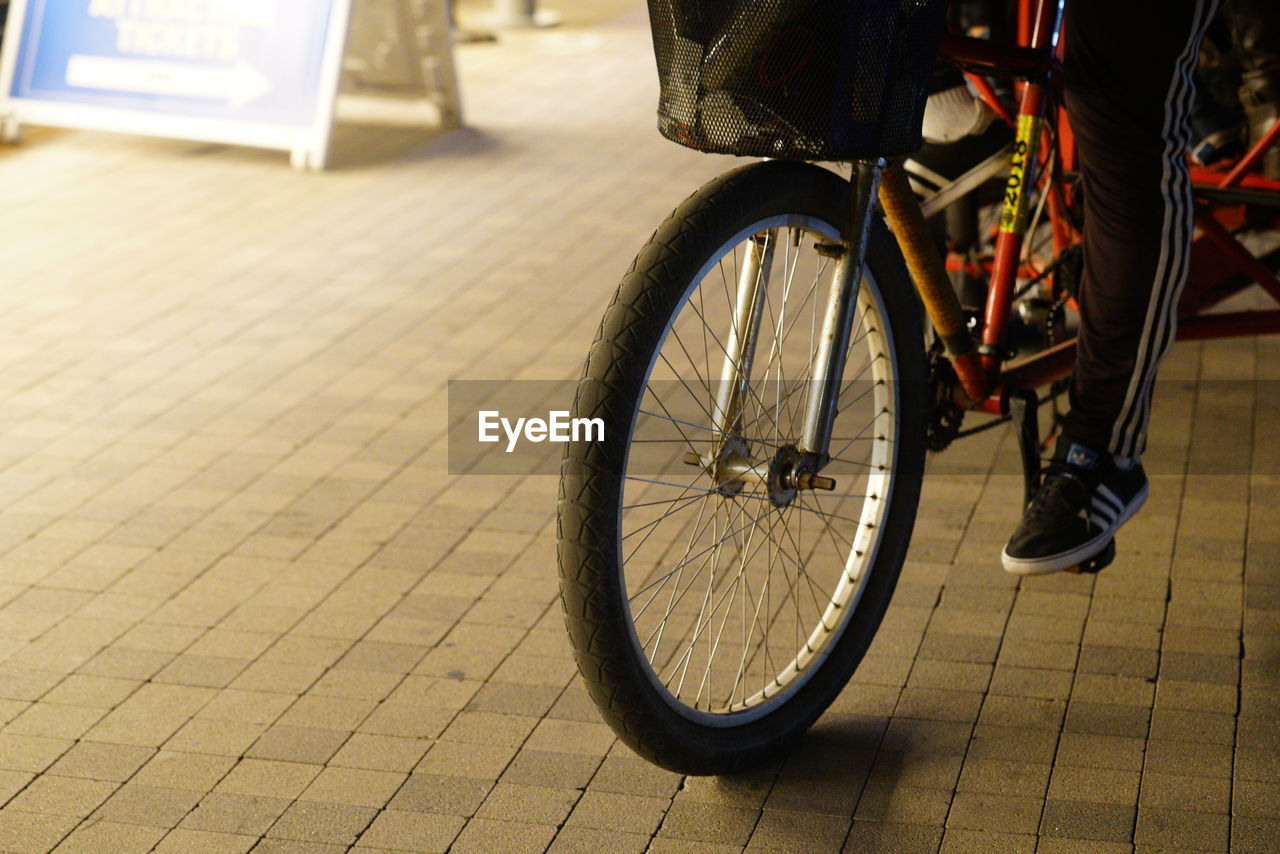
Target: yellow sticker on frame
{"points": [[1013, 217]]}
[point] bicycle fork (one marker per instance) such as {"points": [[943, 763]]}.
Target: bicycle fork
{"points": [[842, 301], [793, 468]]}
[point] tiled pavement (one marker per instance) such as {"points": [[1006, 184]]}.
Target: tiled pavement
{"points": [[244, 607]]}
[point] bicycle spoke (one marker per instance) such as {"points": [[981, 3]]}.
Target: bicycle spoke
{"points": [[732, 586], [661, 518]]}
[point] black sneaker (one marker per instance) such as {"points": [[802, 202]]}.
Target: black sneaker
{"points": [[1082, 500]]}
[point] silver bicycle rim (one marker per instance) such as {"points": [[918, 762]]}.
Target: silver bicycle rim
{"points": [[733, 602]]}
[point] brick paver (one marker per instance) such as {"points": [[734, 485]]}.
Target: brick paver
{"points": [[243, 606]]}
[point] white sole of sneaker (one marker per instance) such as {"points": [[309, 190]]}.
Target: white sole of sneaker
{"points": [[1078, 555]]}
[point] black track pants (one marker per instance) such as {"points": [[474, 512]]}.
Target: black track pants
{"points": [[1130, 67]]}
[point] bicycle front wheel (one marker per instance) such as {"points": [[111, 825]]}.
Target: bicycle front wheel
{"points": [[716, 603]]}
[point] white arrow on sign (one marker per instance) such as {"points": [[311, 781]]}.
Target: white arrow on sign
{"points": [[237, 85]]}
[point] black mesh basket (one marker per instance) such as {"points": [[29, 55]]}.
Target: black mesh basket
{"points": [[795, 79]]}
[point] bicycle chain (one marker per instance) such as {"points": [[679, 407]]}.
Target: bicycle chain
{"points": [[1069, 269]]}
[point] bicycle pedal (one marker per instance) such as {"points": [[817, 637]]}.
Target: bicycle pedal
{"points": [[1098, 562]]}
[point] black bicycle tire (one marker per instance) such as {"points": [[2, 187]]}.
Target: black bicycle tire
{"points": [[613, 379]]}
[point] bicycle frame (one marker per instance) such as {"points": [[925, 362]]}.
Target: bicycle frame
{"points": [[980, 380], [1221, 265], [986, 380]]}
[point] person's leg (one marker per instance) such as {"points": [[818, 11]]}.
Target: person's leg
{"points": [[1129, 93]]}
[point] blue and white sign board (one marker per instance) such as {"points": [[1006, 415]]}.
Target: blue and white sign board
{"points": [[244, 72]]}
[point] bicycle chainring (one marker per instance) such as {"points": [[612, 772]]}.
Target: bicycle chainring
{"points": [[945, 417]]}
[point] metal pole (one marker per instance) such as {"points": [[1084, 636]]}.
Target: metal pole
{"points": [[520, 14], [842, 302]]}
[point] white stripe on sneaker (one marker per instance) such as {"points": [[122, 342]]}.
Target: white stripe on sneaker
{"points": [[1104, 492], [1109, 514]]}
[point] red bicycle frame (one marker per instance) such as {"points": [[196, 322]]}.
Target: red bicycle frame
{"points": [[1227, 202]]}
